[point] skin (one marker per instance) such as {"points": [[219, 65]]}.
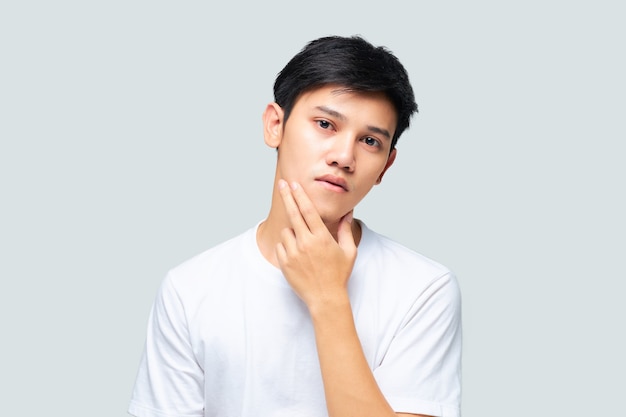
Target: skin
{"points": [[332, 150]]}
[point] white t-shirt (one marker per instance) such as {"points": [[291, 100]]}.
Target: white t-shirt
{"points": [[228, 337]]}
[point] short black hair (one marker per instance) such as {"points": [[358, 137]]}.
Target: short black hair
{"points": [[354, 64]]}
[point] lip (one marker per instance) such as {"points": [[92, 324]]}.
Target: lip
{"points": [[333, 181]]}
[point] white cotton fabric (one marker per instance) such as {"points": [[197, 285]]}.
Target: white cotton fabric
{"points": [[228, 337]]}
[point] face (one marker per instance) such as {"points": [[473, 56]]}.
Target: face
{"points": [[336, 144]]}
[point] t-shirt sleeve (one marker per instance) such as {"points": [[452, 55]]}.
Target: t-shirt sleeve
{"points": [[421, 370], [170, 380]]}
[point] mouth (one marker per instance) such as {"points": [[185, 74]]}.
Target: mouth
{"points": [[333, 182]]}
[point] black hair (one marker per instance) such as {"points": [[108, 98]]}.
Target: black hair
{"points": [[355, 65]]}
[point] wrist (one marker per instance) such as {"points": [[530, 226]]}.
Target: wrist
{"points": [[330, 306]]}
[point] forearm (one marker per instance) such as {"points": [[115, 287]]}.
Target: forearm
{"points": [[317, 266], [349, 384]]}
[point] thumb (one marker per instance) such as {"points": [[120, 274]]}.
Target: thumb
{"points": [[345, 238]]}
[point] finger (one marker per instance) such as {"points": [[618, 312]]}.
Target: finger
{"points": [[292, 209], [307, 209], [281, 254], [288, 240], [345, 238]]}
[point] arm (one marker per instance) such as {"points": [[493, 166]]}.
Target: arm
{"points": [[169, 377], [349, 384], [318, 268]]}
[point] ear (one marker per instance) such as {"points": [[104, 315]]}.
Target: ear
{"points": [[392, 157], [273, 125]]}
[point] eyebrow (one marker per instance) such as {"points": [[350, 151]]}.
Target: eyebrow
{"points": [[336, 114]]}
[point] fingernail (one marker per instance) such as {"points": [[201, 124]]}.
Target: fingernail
{"points": [[294, 185], [282, 184]]}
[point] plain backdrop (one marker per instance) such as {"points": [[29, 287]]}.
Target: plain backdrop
{"points": [[131, 141]]}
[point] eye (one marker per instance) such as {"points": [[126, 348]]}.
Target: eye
{"points": [[370, 141], [324, 124]]}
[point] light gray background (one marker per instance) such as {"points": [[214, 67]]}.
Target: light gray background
{"points": [[131, 140]]}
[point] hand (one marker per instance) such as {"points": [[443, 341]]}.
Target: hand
{"points": [[316, 266]]}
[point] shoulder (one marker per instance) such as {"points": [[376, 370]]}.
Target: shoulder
{"points": [[207, 267], [395, 272], [378, 250]]}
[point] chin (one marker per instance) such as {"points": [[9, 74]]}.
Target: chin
{"points": [[329, 211], [332, 217]]}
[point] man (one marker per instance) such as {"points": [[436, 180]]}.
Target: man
{"points": [[289, 319]]}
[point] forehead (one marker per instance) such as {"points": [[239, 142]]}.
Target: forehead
{"points": [[372, 104], [336, 91]]}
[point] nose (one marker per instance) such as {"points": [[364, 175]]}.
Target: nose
{"points": [[341, 153]]}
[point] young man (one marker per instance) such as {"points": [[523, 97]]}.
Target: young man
{"points": [[289, 319]]}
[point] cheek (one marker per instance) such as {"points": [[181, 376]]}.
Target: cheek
{"points": [[299, 155], [374, 174], [294, 162]]}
